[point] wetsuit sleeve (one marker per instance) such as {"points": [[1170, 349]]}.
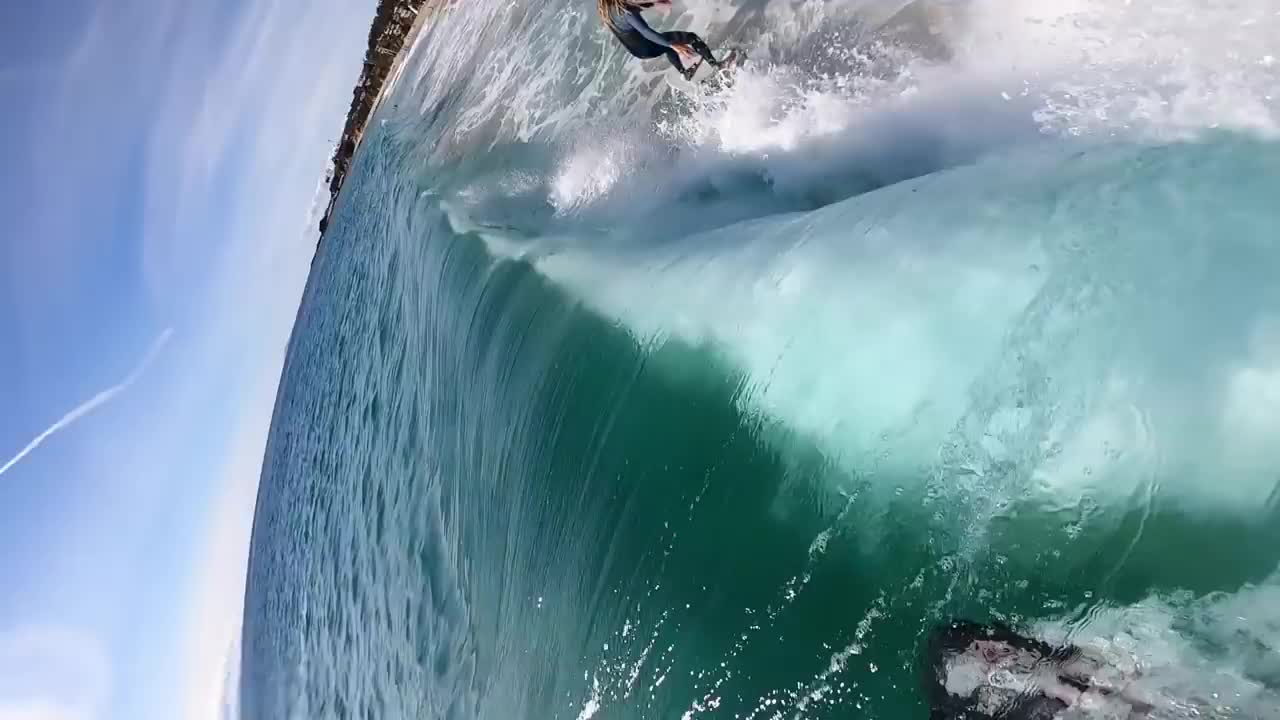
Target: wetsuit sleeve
{"points": [[637, 23]]}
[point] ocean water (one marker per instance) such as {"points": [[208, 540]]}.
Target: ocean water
{"points": [[606, 401]]}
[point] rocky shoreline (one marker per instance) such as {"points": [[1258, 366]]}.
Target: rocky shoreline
{"points": [[395, 24]]}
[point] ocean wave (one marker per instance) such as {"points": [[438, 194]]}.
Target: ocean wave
{"points": [[607, 401]]}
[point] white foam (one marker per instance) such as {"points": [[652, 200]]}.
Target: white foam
{"points": [[1165, 68], [589, 173], [1089, 66], [1189, 657]]}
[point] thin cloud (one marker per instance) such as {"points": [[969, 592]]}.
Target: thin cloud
{"points": [[35, 662], [93, 403]]}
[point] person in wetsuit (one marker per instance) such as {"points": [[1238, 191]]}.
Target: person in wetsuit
{"points": [[685, 50]]}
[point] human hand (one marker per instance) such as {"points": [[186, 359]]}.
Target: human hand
{"points": [[687, 54]]}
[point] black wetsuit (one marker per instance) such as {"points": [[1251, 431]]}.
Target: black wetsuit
{"points": [[644, 42]]}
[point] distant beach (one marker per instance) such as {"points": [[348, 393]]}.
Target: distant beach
{"points": [[395, 25]]}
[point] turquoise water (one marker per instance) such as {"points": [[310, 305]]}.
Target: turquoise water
{"points": [[619, 404]]}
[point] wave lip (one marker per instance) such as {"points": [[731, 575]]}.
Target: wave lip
{"points": [[893, 323]]}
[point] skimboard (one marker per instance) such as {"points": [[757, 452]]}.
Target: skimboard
{"points": [[708, 77]]}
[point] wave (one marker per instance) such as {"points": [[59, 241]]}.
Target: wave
{"points": [[762, 221], [880, 331], [607, 401]]}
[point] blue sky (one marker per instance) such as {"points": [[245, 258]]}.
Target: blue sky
{"points": [[162, 161]]}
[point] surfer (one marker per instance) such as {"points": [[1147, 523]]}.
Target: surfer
{"points": [[989, 672], [685, 50]]}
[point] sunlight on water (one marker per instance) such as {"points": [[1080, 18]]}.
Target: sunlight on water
{"points": [[608, 401]]}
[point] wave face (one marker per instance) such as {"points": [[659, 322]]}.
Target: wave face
{"points": [[607, 401]]}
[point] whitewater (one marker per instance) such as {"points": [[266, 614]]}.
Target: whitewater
{"points": [[606, 400]]}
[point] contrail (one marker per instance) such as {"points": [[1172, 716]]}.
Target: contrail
{"points": [[94, 402]]}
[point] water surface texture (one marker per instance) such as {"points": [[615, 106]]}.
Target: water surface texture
{"points": [[609, 402]]}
